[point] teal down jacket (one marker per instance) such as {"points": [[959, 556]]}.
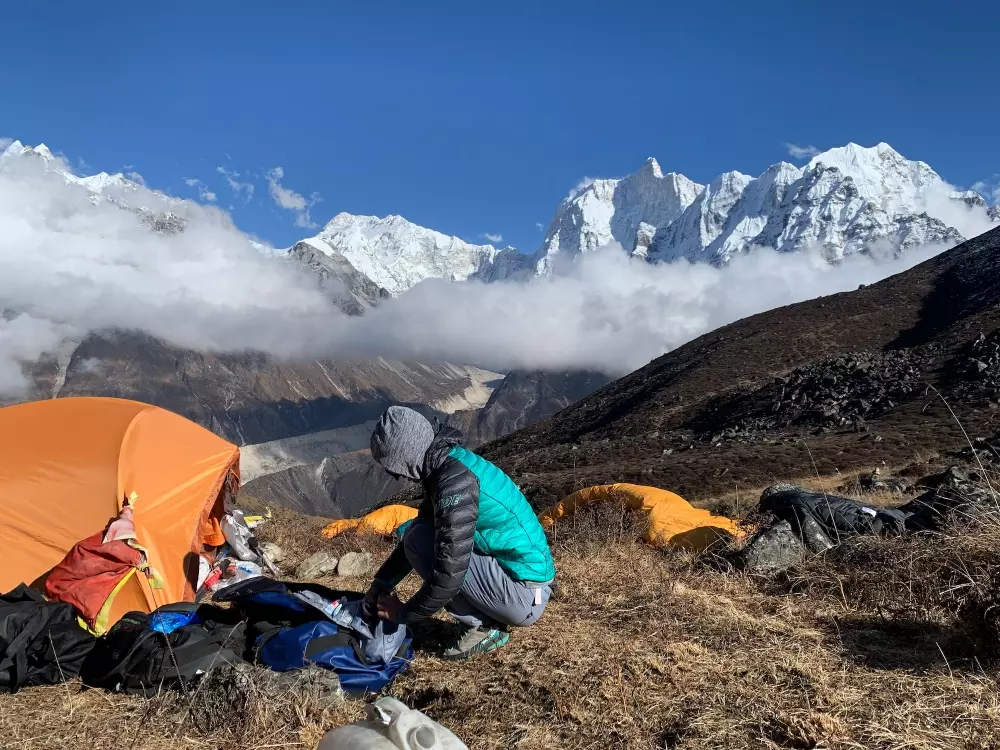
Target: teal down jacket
{"points": [[507, 528], [473, 505]]}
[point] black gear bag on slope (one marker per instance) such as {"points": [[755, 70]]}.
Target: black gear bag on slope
{"points": [[134, 658], [814, 513], [41, 642]]}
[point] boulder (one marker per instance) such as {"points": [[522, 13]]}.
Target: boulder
{"points": [[953, 496], [316, 565], [771, 550], [356, 564]]}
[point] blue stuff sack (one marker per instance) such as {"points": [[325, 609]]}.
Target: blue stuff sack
{"points": [[168, 622], [324, 644], [288, 633]]}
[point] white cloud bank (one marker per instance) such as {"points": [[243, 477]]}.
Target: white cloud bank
{"points": [[69, 267], [494, 238], [609, 312]]}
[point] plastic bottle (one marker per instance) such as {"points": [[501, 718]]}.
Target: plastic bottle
{"points": [[392, 726]]}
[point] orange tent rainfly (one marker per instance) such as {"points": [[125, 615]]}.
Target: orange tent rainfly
{"points": [[70, 467], [383, 522], [672, 519]]}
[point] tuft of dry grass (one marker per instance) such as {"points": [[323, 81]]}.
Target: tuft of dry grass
{"points": [[232, 709], [645, 649], [872, 646]]}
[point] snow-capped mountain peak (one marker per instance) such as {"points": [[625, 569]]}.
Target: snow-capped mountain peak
{"points": [[98, 184], [613, 210], [882, 174], [843, 201], [396, 253], [653, 167], [41, 150]]}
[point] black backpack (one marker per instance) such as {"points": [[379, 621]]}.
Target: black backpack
{"points": [[41, 642], [134, 658]]}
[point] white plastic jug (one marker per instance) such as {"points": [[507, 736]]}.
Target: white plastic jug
{"points": [[392, 726]]}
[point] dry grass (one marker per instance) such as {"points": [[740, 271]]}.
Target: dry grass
{"points": [[871, 647], [232, 710]]}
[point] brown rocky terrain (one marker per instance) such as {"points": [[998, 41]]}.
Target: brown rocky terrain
{"points": [[850, 382]]}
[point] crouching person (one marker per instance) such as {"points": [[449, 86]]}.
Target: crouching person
{"points": [[476, 543]]}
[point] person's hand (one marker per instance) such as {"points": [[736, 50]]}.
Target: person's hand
{"points": [[390, 607], [369, 606]]}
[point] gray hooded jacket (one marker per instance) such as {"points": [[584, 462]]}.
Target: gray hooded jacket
{"points": [[400, 441]]}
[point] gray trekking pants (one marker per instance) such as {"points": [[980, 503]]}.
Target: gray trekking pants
{"points": [[489, 596]]}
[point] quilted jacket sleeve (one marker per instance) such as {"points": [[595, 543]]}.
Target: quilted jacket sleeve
{"points": [[453, 493], [396, 567]]}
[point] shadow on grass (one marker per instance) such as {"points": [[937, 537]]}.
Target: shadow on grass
{"points": [[919, 648], [432, 635]]}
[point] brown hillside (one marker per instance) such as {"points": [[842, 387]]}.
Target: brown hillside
{"points": [[656, 426]]}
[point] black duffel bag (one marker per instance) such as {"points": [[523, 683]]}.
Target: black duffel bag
{"points": [[41, 642]]}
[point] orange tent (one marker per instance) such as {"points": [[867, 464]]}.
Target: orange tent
{"points": [[67, 465], [672, 519], [383, 522]]}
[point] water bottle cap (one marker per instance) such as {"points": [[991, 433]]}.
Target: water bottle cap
{"points": [[423, 738]]}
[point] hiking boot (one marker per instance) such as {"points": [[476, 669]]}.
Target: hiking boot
{"points": [[470, 641]]}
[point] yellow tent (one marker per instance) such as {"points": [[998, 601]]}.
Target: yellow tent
{"points": [[672, 519], [383, 522]]}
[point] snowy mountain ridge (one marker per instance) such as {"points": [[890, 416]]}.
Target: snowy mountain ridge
{"points": [[396, 253], [847, 200], [98, 184], [844, 201]]}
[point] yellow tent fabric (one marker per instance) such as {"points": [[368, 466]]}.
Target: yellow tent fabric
{"points": [[672, 519], [383, 521], [67, 465]]}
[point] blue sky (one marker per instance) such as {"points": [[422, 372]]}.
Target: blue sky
{"points": [[475, 118]]}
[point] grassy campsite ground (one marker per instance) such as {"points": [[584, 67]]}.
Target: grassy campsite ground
{"points": [[878, 645]]}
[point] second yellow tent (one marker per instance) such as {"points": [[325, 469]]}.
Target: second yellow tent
{"points": [[673, 520]]}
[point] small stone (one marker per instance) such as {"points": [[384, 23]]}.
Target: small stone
{"points": [[273, 552], [317, 564], [355, 564]]}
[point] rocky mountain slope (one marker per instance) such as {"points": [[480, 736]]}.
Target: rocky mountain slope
{"points": [[521, 400], [840, 383]]}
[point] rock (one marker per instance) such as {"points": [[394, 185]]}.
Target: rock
{"points": [[317, 564], [953, 496], [840, 392], [355, 564], [273, 552], [875, 482], [771, 550]]}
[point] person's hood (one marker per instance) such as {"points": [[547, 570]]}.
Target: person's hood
{"points": [[400, 441]]}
